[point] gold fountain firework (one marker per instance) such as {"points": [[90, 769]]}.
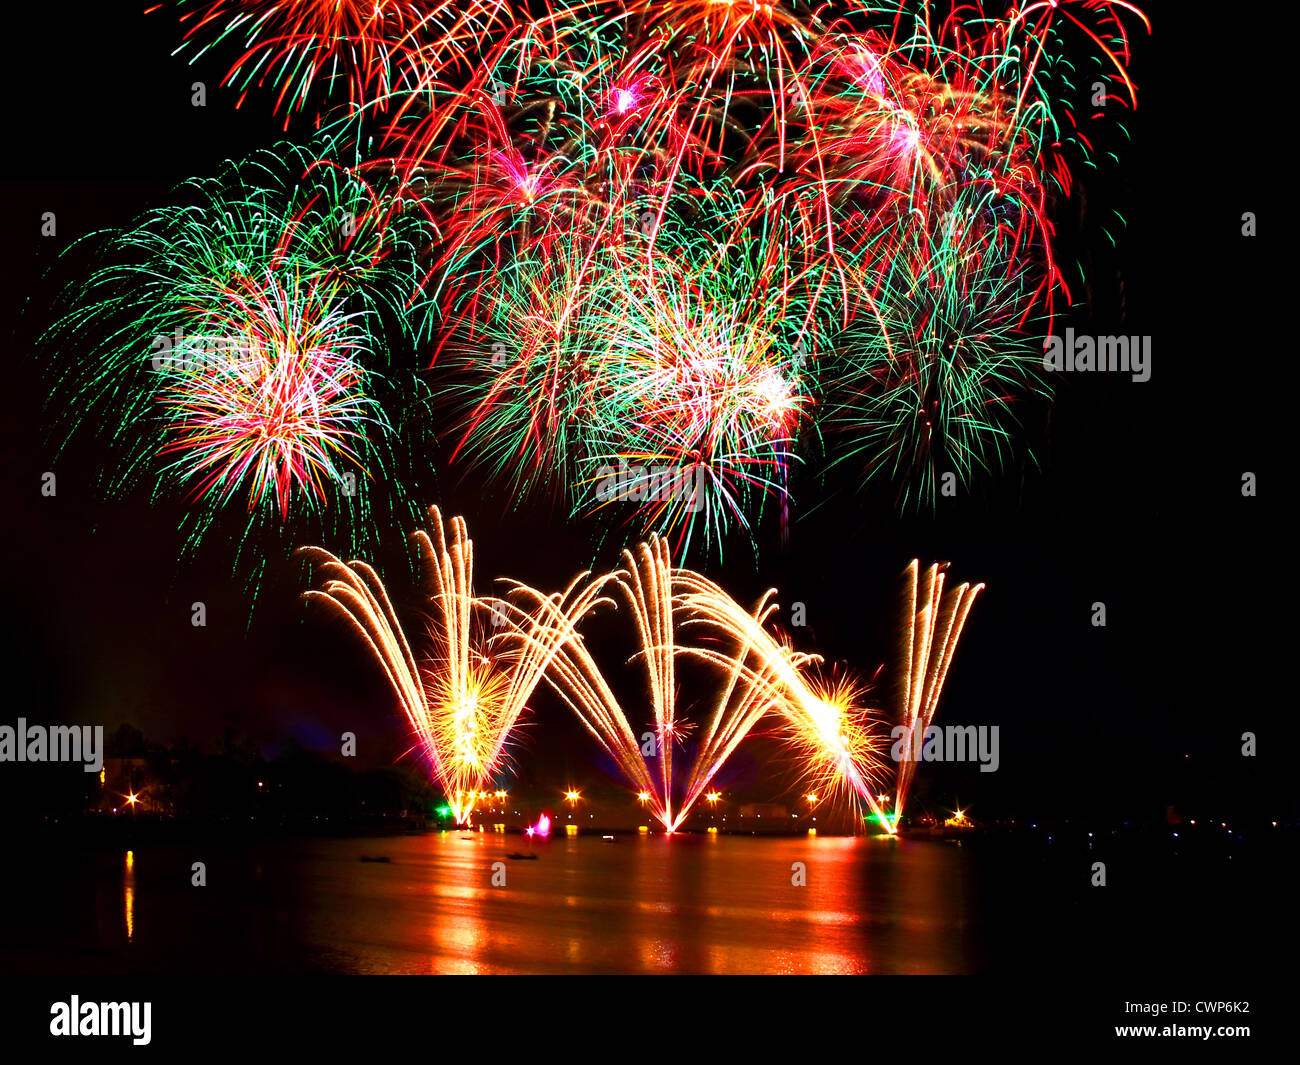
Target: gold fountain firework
{"points": [[830, 730], [468, 690], [932, 625], [761, 676], [653, 591], [472, 688]]}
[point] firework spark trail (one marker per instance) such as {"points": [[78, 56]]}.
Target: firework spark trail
{"points": [[463, 704], [929, 635], [380, 49], [832, 735], [242, 342], [465, 694], [277, 405], [930, 385], [579, 682], [829, 729], [715, 238], [646, 582], [875, 169], [646, 585]]}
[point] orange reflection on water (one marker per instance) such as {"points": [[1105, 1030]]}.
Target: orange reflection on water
{"points": [[461, 881], [128, 893], [647, 903]]}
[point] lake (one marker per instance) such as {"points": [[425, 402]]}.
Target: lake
{"points": [[642, 904]]}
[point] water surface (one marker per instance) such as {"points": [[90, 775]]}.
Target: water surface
{"points": [[643, 904]]}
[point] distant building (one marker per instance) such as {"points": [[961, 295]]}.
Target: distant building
{"points": [[122, 778]]}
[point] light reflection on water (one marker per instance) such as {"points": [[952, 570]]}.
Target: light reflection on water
{"points": [[644, 904], [128, 893]]}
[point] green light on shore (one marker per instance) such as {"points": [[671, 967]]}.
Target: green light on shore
{"points": [[443, 811]]}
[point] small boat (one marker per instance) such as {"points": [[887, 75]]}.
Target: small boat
{"points": [[522, 857], [376, 858], [607, 839]]}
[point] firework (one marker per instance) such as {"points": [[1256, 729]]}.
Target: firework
{"points": [[646, 758], [688, 243], [831, 732], [466, 692], [235, 353], [834, 736], [581, 367], [376, 48], [695, 236], [932, 624], [930, 382], [699, 392], [277, 409]]}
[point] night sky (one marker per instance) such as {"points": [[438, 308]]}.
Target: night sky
{"points": [[1135, 499]]}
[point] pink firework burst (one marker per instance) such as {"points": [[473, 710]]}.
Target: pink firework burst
{"points": [[268, 396]]}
